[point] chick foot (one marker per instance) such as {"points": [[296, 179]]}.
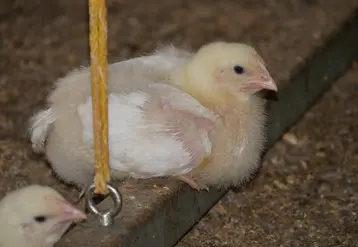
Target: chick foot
{"points": [[192, 183]]}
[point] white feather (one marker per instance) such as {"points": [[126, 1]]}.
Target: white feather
{"points": [[40, 126], [166, 59], [135, 146], [206, 142]]}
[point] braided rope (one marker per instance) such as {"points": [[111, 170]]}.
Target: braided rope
{"points": [[98, 47]]}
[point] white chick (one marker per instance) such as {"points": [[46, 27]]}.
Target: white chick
{"points": [[35, 216], [217, 141]]}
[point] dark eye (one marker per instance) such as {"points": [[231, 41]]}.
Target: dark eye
{"points": [[40, 218], [239, 70]]}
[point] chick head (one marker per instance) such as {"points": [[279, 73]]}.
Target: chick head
{"points": [[38, 214], [226, 69]]}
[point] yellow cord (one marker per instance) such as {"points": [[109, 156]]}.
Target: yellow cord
{"points": [[98, 46]]}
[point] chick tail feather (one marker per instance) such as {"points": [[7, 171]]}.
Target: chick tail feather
{"points": [[40, 125]]}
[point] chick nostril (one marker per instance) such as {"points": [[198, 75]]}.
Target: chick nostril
{"points": [[264, 77]]}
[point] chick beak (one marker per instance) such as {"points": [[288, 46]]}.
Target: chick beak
{"points": [[70, 213], [268, 83], [263, 81]]}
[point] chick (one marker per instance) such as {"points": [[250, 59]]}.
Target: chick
{"points": [[35, 216], [215, 124]]}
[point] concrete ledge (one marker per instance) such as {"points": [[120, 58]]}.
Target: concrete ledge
{"points": [[159, 212]]}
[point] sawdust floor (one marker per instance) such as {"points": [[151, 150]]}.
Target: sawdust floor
{"points": [[307, 191], [305, 195]]}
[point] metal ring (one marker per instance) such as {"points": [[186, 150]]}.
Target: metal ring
{"points": [[106, 218]]}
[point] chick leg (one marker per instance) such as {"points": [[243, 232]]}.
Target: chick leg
{"points": [[192, 183]]}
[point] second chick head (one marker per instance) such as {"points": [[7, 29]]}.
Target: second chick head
{"points": [[39, 214], [231, 68]]}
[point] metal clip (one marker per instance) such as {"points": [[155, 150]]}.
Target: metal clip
{"points": [[105, 218]]}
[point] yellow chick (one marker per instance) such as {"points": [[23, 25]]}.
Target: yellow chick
{"points": [[35, 216]]}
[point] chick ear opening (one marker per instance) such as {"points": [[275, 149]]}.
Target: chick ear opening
{"points": [[218, 73], [26, 227]]}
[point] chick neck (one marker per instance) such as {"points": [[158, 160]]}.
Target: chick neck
{"points": [[203, 88]]}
